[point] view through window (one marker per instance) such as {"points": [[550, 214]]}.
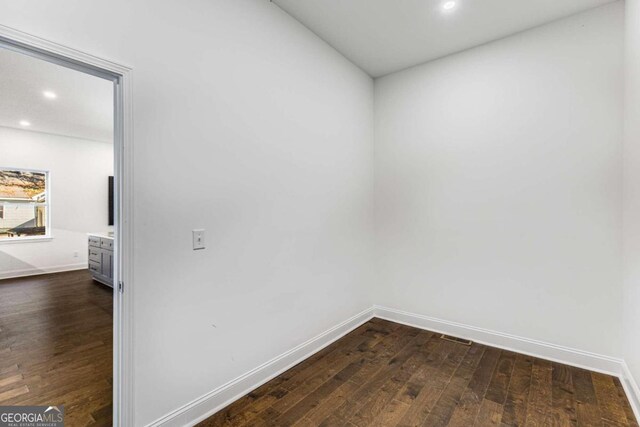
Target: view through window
{"points": [[23, 204]]}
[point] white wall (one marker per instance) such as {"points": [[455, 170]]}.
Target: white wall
{"points": [[632, 190], [249, 126], [498, 184], [78, 172]]}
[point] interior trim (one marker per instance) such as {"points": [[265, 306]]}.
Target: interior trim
{"points": [[557, 353], [43, 270], [543, 350], [122, 76], [210, 403], [631, 388]]}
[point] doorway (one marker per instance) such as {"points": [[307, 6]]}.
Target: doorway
{"points": [[95, 277]]}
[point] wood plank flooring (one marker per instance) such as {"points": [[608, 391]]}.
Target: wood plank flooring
{"points": [[386, 374], [56, 345]]}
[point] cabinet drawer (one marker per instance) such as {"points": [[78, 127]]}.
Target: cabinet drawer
{"points": [[95, 254], [94, 267], [94, 241], [106, 244]]}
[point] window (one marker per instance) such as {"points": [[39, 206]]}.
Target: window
{"points": [[24, 209]]}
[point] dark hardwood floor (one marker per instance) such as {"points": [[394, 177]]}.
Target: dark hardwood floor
{"points": [[386, 374], [56, 345], [56, 348]]}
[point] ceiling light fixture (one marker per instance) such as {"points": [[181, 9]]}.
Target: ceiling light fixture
{"points": [[448, 5], [49, 94], [24, 123]]}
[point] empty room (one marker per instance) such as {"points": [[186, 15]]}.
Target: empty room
{"points": [[325, 213]]}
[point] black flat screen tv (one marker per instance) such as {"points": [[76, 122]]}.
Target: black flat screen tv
{"points": [[110, 200]]}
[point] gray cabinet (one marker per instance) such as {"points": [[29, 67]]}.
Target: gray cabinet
{"points": [[101, 259]]}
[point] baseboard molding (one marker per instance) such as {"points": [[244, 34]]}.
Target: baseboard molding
{"points": [[44, 270], [208, 404], [543, 350], [205, 406], [631, 388]]}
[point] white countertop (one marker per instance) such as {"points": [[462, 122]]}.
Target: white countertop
{"points": [[102, 235]]}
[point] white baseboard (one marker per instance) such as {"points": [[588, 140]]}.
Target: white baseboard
{"points": [[208, 404], [631, 388], [44, 270], [556, 353], [205, 406]]}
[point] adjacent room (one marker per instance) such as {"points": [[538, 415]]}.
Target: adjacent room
{"points": [[321, 212], [56, 223]]}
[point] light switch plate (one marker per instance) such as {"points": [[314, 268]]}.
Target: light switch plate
{"points": [[198, 239]]}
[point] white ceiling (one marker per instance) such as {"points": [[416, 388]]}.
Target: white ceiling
{"points": [[384, 36], [83, 107]]}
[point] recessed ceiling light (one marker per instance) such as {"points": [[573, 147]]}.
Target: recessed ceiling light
{"points": [[448, 5], [24, 123], [49, 94]]}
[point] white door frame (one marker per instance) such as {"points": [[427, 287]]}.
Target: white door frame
{"points": [[123, 414]]}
